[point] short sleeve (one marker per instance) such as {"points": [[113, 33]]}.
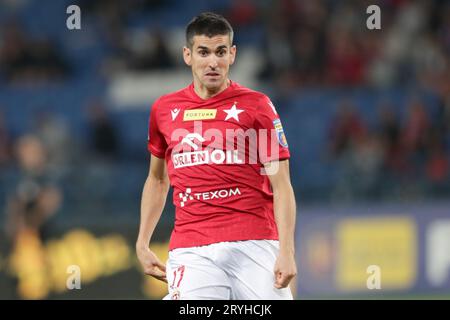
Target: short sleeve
{"points": [[156, 143], [272, 142]]}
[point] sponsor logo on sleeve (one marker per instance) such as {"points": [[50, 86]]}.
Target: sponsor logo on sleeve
{"points": [[280, 133]]}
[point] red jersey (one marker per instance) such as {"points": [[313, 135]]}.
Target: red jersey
{"points": [[215, 150]]}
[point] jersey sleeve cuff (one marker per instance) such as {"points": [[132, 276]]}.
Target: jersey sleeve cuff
{"points": [[156, 152]]}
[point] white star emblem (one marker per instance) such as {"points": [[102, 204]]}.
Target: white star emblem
{"points": [[233, 112]]}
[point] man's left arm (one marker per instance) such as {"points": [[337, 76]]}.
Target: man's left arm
{"points": [[285, 212]]}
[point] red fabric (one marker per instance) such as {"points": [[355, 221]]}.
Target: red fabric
{"points": [[228, 200]]}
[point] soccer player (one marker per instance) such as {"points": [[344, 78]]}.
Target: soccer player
{"points": [[235, 208]]}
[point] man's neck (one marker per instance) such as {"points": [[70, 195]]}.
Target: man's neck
{"points": [[204, 93]]}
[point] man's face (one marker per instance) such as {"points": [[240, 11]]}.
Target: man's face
{"points": [[210, 60]]}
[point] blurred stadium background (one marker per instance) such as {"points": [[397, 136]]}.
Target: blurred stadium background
{"points": [[366, 114]]}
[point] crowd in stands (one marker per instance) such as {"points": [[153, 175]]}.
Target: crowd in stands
{"points": [[394, 158], [26, 60]]}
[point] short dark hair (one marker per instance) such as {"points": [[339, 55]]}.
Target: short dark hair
{"points": [[209, 24]]}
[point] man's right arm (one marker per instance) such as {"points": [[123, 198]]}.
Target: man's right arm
{"points": [[152, 204]]}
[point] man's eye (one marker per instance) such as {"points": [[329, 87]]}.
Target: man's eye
{"points": [[203, 53], [221, 53]]}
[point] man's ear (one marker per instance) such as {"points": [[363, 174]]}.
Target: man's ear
{"points": [[187, 56], [233, 51]]}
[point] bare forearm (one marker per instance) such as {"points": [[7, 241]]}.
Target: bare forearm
{"points": [[285, 212], [153, 200]]}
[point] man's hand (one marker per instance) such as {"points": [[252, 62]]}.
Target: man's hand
{"points": [[285, 270], [151, 264]]}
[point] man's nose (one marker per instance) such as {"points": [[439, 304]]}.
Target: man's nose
{"points": [[213, 63]]}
